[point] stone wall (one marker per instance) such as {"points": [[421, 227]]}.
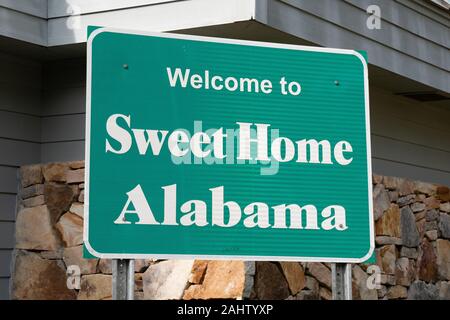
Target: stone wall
{"points": [[412, 239]]}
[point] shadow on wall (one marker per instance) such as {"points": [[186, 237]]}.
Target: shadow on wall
{"points": [[412, 251]]}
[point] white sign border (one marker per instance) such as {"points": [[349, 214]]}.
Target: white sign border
{"points": [[221, 257]]}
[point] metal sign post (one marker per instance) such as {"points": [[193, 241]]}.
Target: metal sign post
{"points": [[341, 281], [123, 279]]}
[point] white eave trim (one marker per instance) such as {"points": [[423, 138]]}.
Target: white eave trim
{"points": [[156, 17]]}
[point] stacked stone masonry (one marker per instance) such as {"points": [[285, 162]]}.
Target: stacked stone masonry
{"points": [[412, 226]]}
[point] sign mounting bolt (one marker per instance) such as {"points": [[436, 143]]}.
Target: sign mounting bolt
{"points": [[336, 82], [125, 66]]}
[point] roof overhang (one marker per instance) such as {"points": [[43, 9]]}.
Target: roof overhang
{"points": [[413, 40]]}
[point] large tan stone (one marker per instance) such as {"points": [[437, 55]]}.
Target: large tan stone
{"points": [[76, 164], [444, 290], [424, 187], [377, 179], [105, 266], [325, 294], [270, 283], [389, 223], [391, 183], [70, 227], [34, 201], [397, 292], [167, 279], [404, 271], [295, 276], [55, 171], [405, 187], [223, 280], [431, 203], [198, 271], [388, 257], [34, 230], [31, 191], [95, 287], [31, 174], [443, 258], [381, 201], [445, 207], [320, 272], [35, 278], [443, 193], [427, 262], [78, 209], [312, 285], [58, 198], [81, 196], [418, 207], [74, 256], [75, 176]]}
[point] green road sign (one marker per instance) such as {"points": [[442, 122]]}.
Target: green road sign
{"points": [[225, 149]]}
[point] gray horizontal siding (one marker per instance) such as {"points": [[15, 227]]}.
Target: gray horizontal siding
{"points": [[20, 126], [18, 153], [7, 235], [411, 154], [70, 100], [21, 73], [409, 20], [5, 262], [20, 135], [62, 151], [14, 99], [63, 113], [409, 131], [406, 120], [68, 73], [409, 139], [341, 24], [8, 180], [353, 18], [63, 128], [7, 207], [400, 169], [4, 288]]}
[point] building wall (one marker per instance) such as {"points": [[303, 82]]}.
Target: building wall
{"points": [[20, 131], [409, 139], [412, 41], [63, 110]]}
